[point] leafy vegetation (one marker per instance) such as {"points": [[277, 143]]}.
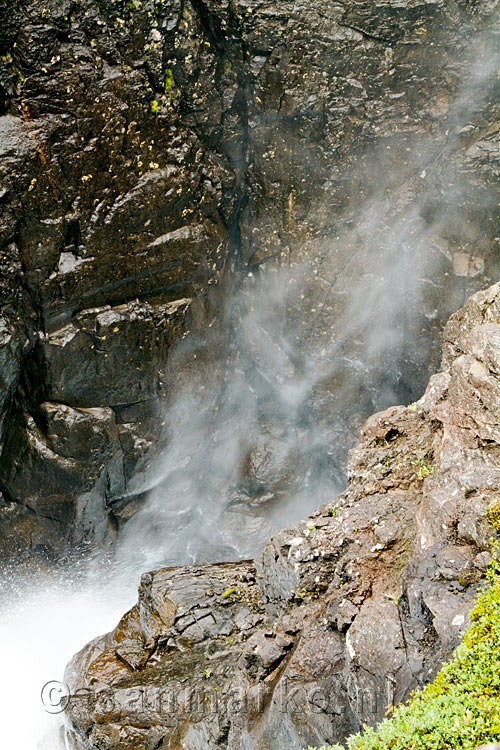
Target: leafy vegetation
{"points": [[169, 81], [461, 708], [424, 467], [493, 515]]}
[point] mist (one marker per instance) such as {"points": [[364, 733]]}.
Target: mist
{"points": [[259, 429]]}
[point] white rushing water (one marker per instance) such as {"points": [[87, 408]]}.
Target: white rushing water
{"points": [[39, 633]]}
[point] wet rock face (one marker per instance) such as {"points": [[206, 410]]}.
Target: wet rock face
{"points": [[147, 148], [364, 162], [110, 222], [79, 359], [78, 468], [68, 463], [343, 613]]}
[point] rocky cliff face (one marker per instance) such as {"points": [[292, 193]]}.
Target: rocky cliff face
{"points": [[151, 148], [341, 614], [110, 224]]}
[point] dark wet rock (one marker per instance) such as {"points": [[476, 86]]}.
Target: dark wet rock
{"points": [[343, 613], [110, 220], [72, 463], [66, 465], [10, 359], [169, 621], [25, 538], [111, 356]]}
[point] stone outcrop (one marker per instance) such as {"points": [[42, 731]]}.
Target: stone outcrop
{"points": [[149, 147], [341, 614]]}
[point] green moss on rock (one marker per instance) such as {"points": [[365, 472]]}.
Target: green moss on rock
{"points": [[461, 708], [493, 514]]}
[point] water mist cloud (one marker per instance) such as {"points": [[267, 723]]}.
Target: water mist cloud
{"points": [[258, 435]]}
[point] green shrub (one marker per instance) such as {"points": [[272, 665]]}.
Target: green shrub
{"points": [[461, 708]]}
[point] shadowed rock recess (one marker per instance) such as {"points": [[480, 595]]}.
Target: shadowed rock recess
{"points": [[151, 149], [342, 614]]}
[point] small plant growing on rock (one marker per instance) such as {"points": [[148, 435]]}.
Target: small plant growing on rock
{"points": [[170, 88], [493, 515], [424, 467], [303, 593], [169, 81], [494, 566], [396, 598]]}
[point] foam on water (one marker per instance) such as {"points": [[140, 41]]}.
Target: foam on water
{"points": [[40, 629]]}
